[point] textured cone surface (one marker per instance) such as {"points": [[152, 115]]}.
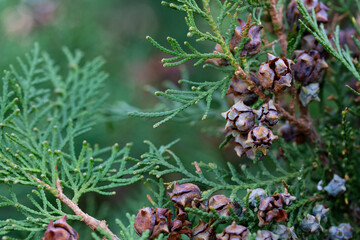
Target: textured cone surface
{"points": [[60, 230]]}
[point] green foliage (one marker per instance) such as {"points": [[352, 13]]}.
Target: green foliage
{"points": [[319, 32], [203, 91], [269, 174], [45, 109], [42, 113]]}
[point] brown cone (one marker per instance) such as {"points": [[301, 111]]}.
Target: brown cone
{"points": [[60, 230]]}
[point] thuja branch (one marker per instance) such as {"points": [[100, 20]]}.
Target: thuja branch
{"points": [[163, 162], [343, 55], [202, 92], [93, 223], [304, 123]]}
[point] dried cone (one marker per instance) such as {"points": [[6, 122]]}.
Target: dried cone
{"points": [[269, 211], [238, 89], [156, 220], [222, 205], [203, 231], [60, 230], [180, 226], [241, 147], [309, 66], [270, 208], [250, 48], [293, 15], [185, 195], [260, 139], [234, 232], [267, 114], [239, 118], [275, 74], [309, 42]]}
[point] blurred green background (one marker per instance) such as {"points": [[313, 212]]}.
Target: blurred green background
{"points": [[115, 30]]}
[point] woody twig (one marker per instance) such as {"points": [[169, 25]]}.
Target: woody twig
{"points": [[92, 222], [277, 20]]}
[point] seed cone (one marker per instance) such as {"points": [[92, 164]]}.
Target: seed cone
{"points": [[203, 231], [241, 147], [311, 224], [156, 220], [260, 139], [285, 232], [320, 211], [271, 208], [275, 74], [60, 230], [267, 114], [293, 15], [309, 93], [222, 205], [309, 66], [256, 193], [238, 89], [239, 118], [185, 195], [234, 232], [336, 186]]}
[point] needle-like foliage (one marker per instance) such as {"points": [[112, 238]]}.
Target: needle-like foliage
{"points": [[44, 110], [203, 91]]}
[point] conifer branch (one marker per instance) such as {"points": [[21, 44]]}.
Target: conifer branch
{"points": [[217, 178], [343, 55], [39, 132], [92, 222]]}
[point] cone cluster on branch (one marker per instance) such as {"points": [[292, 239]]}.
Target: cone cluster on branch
{"points": [[188, 195], [249, 137], [275, 77]]}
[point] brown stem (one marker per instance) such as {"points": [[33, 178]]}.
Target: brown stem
{"points": [[277, 20], [92, 222]]}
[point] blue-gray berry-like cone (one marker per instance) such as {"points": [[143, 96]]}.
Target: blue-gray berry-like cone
{"points": [[336, 186]]}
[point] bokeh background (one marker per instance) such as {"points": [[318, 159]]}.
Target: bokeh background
{"points": [[115, 30]]}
